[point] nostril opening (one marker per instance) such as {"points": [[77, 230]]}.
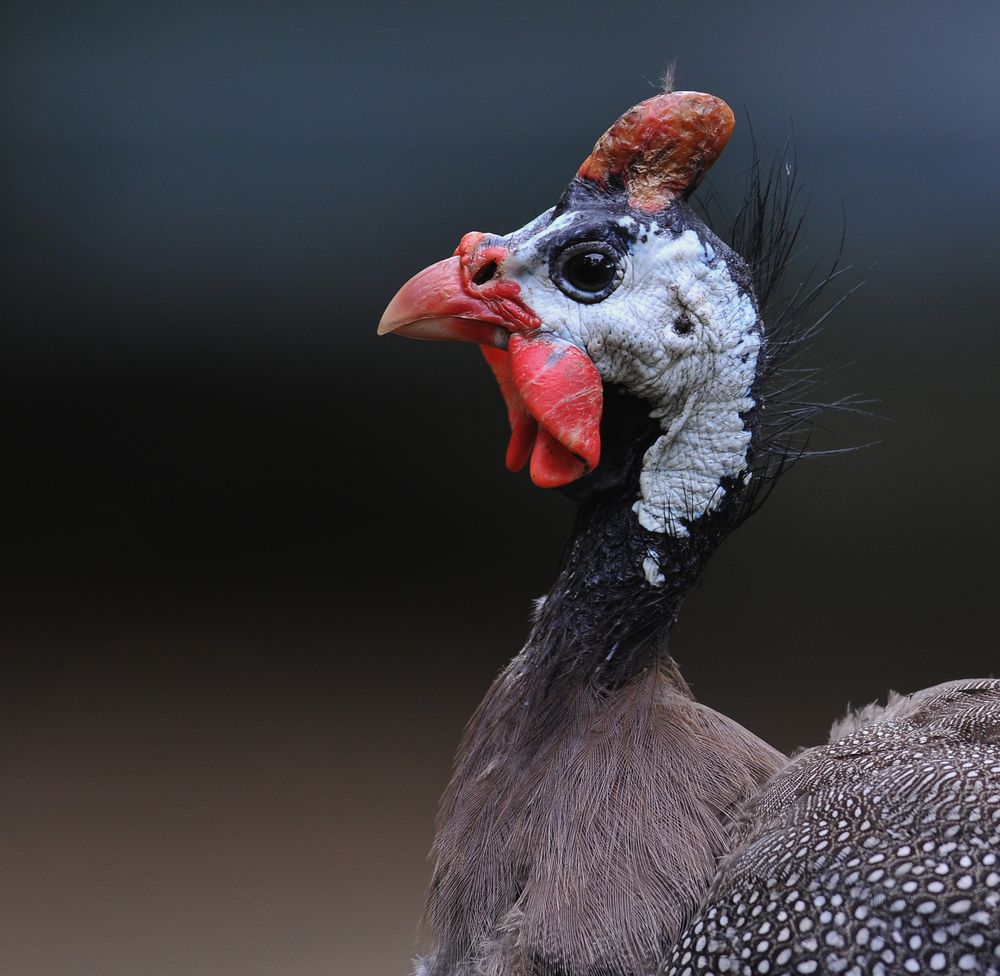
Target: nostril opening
{"points": [[484, 274]]}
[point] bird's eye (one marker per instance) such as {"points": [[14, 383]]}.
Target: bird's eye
{"points": [[588, 271]]}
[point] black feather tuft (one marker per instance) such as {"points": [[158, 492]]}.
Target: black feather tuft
{"points": [[766, 232]]}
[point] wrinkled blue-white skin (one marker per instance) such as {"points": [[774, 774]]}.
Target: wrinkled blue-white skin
{"points": [[698, 381]]}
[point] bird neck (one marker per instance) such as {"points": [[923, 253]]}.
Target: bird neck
{"points": [[616, 598], [621, 585], [589, 780]]}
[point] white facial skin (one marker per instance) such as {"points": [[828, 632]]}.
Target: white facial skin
{"points": [[679, 333]]}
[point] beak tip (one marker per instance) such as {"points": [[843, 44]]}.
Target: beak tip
{"points": [[393, 317]]}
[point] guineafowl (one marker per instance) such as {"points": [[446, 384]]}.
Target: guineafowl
{"points": [[600, 821]]}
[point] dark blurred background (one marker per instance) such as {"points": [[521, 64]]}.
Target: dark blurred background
{"points": [[259, 567]]}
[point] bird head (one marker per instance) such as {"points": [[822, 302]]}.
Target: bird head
{"points": [[618, 289]]}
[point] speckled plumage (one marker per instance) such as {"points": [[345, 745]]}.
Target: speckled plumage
{"points": [[877, 854]]}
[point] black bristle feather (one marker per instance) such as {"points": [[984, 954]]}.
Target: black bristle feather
{"points": [[766, 232]]}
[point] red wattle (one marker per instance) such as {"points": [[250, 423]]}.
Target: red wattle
{"points": [[562, 390], [554, 400], [521, 443], [523, 426], [552, 466]]}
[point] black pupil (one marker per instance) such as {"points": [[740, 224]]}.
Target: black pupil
{"points": [[592, 271]]}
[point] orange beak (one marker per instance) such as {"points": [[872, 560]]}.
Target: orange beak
{"points": [[553, 391], [436, 304]]}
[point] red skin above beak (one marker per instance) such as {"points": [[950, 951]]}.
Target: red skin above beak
{"points": [[553, 391]]}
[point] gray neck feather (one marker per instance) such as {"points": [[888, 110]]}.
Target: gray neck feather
{"points": [[579, 841]]}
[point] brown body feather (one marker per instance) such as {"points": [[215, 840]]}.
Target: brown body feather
{"points": [[582, 841]]}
